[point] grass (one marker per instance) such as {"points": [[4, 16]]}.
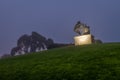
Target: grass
{"points": [[88, 62]]}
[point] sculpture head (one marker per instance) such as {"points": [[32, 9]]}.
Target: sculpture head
{"points": [[81, 28], [78, 22]]}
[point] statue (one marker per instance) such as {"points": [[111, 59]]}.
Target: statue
{"points": [[81, 28], [84, 37]]}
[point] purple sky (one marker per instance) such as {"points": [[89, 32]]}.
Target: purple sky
{"points": [[56, 19]]}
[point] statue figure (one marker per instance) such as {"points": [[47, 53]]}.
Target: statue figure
{"points": [[81, 28]]}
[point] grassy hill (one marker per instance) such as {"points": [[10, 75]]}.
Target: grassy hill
{"points": [[88, 62]]}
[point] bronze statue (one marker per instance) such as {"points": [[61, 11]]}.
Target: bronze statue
{"points": [[81, 28]]}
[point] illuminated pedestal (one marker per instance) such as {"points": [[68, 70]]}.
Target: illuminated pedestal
{"points": [[82, 40]]}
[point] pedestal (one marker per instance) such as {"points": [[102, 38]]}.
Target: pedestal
{"points": [[82, 40]]}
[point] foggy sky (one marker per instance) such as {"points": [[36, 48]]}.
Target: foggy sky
{"points": [[56, 19]]}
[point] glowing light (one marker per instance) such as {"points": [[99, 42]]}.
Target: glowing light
{"points": [[84, 39]]}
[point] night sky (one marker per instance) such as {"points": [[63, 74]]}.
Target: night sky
{"points": [[56, 19]]}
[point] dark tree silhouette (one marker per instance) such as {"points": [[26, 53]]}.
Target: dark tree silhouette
{"points": [[98, 41], [34, 42], [24, 41], [49, 43], [15, 50], [37, 41], [30, 43]]}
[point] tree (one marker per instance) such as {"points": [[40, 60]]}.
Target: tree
{"points": [[37, 41], [24, 41], [33, 42], [98, 41], [15, 50]]}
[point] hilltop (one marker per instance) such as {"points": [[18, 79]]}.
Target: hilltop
{"points": [[87, 62]]}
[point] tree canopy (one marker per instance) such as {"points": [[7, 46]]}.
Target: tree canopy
{"points": [[31, 43]]}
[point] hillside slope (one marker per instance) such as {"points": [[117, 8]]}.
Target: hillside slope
{"points": [[89, 62]]}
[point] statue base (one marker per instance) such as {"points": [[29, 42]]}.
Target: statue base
{"points": [[83, 39]]}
